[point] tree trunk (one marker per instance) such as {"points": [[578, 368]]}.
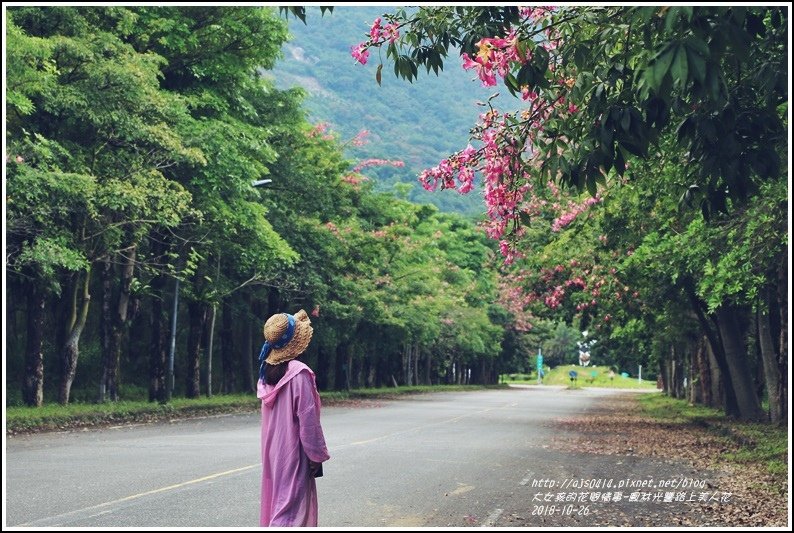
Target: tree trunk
{"points": [[717, 350], [738, 369], [71, 348], [371, 373], [105, 331], [769, 358], [227, 349], [247, 353], [406, 362], [159, 343], [197, 313], [679, 374], [135, 355], [782, 300], [663, 376], [64, 311], [340, 370], [211, 334], [703, 370], [349, 370], [717, 380], [116, 322], [322, 368], [33, 382], [417, 354], [675, 378], [428, 363], [210, 351]]}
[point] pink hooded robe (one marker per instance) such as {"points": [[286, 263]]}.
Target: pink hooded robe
{"points": [[291, 436]]}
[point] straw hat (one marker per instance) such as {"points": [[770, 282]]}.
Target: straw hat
{"points": [[275, 329]]}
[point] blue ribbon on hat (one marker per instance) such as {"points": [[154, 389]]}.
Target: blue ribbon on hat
{"points": [[280, 343]]}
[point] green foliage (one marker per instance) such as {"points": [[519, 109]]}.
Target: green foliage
{"points": [[143, 129], [562, 347]]}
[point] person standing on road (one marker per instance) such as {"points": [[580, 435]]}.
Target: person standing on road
{"points": [[293, 444]]}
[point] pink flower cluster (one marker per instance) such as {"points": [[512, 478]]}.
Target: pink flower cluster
{"points": [[378, 34], [575, 209], [508, 251], [378, 163], [535, 12], [390, 32], [513, 298], [360, 139], [554, 299], [500, 162], [460, 163], [321, 130], [354, 179], [496, 56]]}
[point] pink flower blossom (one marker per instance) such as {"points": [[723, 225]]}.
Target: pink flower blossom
{"points": [[526, 94], [575, 210], [466, 180], [374, 32], [535, 12], [319, 129], [360, 139], [483, 69], [360, 53], [354, 179], [372, 162], [391, 32]]}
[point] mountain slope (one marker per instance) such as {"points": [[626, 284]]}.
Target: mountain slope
{"points": [[419, 123]]}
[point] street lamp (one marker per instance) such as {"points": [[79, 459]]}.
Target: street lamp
{"points": [[254, 183], [175, 311]]}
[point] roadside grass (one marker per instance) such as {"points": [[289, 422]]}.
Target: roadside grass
{"points": [[54, 416], [760, 444], [585, 378]]}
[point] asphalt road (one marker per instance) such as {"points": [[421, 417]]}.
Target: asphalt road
{"points": [[445, 459]]}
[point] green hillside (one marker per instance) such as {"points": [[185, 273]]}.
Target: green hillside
{"points": [[419, 123]]}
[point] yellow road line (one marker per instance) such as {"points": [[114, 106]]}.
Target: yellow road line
{"points": [[149, 492]]}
